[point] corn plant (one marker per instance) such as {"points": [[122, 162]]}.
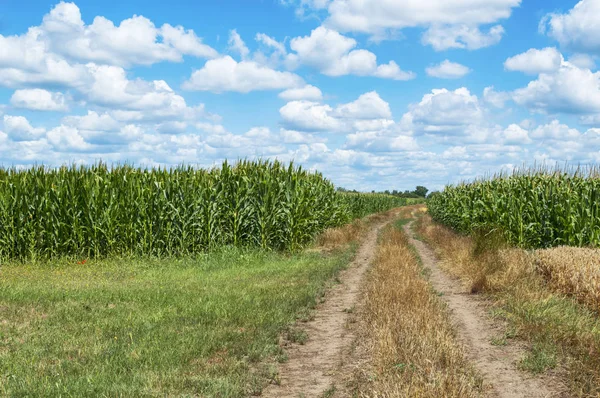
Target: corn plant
{"points": [[100, 210], [535, 208]]}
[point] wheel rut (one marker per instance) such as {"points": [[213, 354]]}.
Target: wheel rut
{"points": [[497, 364], [312, 368]]}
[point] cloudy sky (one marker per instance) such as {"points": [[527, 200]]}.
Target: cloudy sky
{"points": [[376, 94]]}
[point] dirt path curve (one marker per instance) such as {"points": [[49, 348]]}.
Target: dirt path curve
{"points": [[311, 368], [496, 364]]}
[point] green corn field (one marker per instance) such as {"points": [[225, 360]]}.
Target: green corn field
{"points": [[100, 210], [534, 208]]}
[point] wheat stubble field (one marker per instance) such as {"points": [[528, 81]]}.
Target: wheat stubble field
{"points": [[259, 279]]}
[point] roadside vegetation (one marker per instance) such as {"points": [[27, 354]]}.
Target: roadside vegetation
{"points": [[546, 297]]}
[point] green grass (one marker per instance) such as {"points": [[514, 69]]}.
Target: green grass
{"points": [[206, 326]]}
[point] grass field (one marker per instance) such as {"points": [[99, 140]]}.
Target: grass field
{"points": [[193, 326]]}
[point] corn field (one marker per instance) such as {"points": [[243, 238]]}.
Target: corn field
{"points": [[100, 210], [535, 208]]}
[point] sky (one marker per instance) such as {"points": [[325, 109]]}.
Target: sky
{"points": [[375, 94]]}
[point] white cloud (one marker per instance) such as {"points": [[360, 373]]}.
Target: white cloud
{"points": [[578, 30], [495, 98], [39, 100], [371, 16], [226, 74], [367, 106], [298, 137], [270, 42], [535, 61], [135, 41], [461, 36], [309, 116], [515, 134], [448, 70], [569, 90], [583, 61], [237, 45], [92, 121], [308, 92], [445, 111], [67, 139], [18, 128], [368, 111], [556, 131], [381, 141], [334, 55]]}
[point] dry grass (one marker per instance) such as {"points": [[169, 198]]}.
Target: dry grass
{"points": [[339, 237], [538, 307], [573, 271], [407, 332]]}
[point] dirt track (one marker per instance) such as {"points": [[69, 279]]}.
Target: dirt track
{"points": [[497, 364], [315, 367], [311, 368]]}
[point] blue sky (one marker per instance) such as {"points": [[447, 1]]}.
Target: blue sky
{"points": [[376, 94]]}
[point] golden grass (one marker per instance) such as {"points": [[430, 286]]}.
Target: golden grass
{"points": [[538, 307], [574, 271], [334, 238], [408, 333]]}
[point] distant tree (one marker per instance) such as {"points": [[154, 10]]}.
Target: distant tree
{"points": [[421, 191]]}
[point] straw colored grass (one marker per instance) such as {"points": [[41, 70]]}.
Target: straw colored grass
{"points": [[572, 271], [407, 332], [538, 307]]}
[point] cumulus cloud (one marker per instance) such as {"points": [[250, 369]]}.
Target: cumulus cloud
{"points": [[67, 139], [515, 134], [369, 110], [18, 128], [495, 98], [367, 106], [371, 16], [569, 89], [576, 30], [446, 111], [308, 92], [135, 41], [335, 55], [309, 116], [92, 121], [448, 70], [39, 100], [381, 141], [226, 74], [446, 37], [556, 131], [535, 61]]}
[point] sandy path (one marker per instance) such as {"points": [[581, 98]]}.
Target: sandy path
{"points": [[497, 364], [311, 368]]}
